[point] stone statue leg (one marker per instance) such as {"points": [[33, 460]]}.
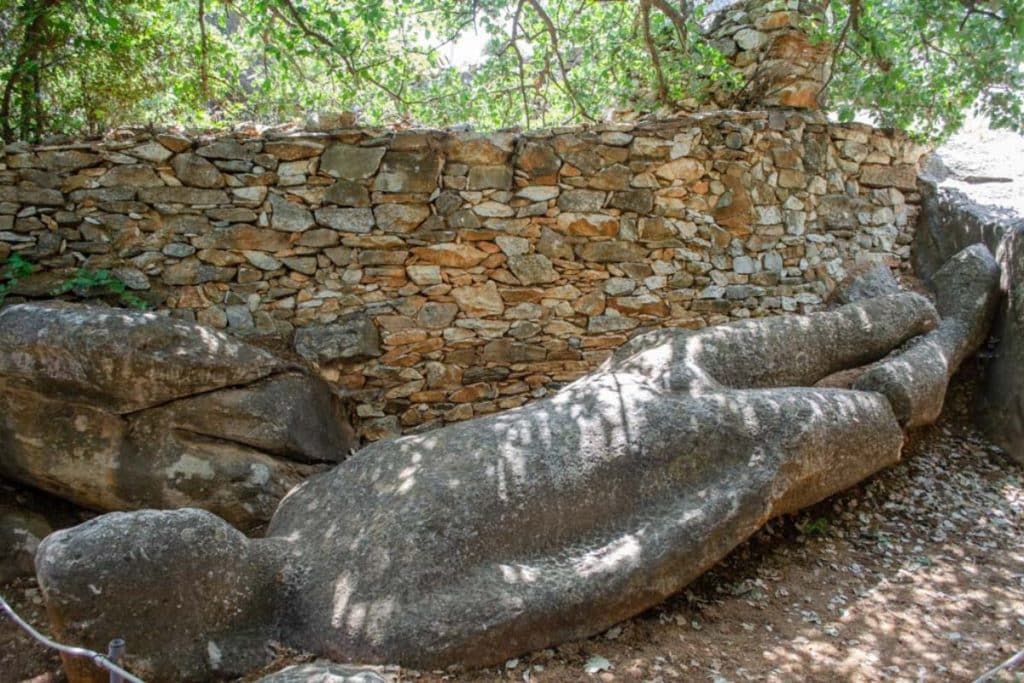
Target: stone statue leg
{"points": [[784, 351]]}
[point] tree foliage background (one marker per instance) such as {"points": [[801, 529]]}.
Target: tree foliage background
{"points": [[83, 66]]}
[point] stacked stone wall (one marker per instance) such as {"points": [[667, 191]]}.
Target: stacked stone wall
{"points": [[432, 275]]}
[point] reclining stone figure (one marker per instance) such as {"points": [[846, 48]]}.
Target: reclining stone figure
{"points": [[519, 530]]}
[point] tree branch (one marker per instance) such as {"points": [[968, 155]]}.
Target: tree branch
{"points": [[357, 74], [645, 22], [676, 17], [519, 58], [852, 20], [204, 80], [553, 33]]}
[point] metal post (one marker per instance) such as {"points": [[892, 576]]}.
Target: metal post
{"points": [[115, 650]]}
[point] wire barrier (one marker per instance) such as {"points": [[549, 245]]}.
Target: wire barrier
{"points": [[108, 661], [1009, 665]]}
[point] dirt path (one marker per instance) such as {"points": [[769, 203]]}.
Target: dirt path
{"points": [[917, 575]]}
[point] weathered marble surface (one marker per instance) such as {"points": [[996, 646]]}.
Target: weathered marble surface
{"points": [[118, 410], [512, 532]]}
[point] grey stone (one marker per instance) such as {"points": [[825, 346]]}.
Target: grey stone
{"points": [[914, 381], [196, 171], [288, 216], [199, 419], [352, 339], [866, 282], [581, 200], [178, 250], [744, 265], [133, 278], [619, 286], [239, 317], [182, 195], [490, 177], [131, 175], [513, 246], [223, 635], [948, 223], [554, 245], [640, 201], [347, 193], [41, 178], [537, 159], [749, 39], [435, 315], [693, 438], [26, 194], [150, 151], [409, 172], [232, 215], [302, 264], [600, 324], [288, 415], [351, 162], [63, 161], [400, 218], [226, 148], [346, 220], [839, 211], [464, 218], [262, 260], [118, 359], [532, 269]]}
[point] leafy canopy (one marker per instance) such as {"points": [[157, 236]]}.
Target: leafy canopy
{"points": [[83, 66]]}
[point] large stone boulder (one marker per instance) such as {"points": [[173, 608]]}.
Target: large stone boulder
{"points": [[915, 380], [121, 360], [213, 614], [949, 222], [515, 531], [1001, 409], [115, 409]]}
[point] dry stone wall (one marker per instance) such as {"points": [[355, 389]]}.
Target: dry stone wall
{"points": [[433, 276]]}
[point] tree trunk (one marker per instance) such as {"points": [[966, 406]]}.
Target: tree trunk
{"points": [[25, 77]]}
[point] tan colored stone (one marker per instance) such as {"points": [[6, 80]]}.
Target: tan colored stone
{"points": [[450, 255], [473, 393], [588, 224], [479, 300], [685, 169]]}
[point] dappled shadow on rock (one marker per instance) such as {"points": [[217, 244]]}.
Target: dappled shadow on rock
{"points": [[913, 575]]}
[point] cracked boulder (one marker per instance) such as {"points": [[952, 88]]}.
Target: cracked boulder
{"points": [[515, 531], [116, 410]]}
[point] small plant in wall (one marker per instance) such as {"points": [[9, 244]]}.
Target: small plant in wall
{"points": [[12, 269], [99, 282]]}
